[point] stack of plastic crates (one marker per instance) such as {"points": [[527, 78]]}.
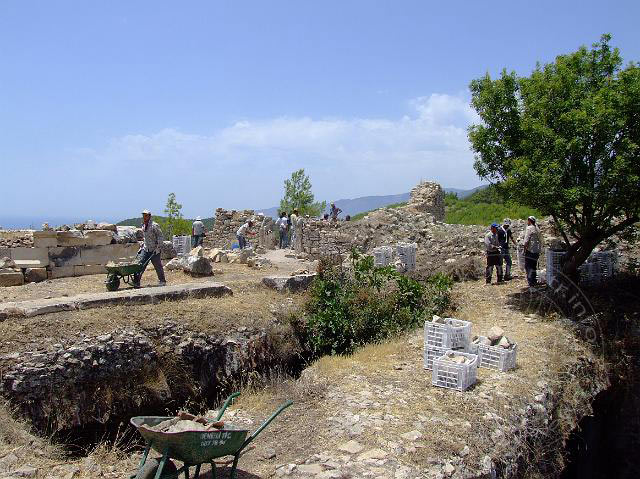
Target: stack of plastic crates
{"points": [[407, 255], [452, 375], [495, 357], [440, 337], [182, 244], [600, 266], [382, 255], [554, 265]]}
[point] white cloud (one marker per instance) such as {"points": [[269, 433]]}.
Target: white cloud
{"points": [[244, 164]]}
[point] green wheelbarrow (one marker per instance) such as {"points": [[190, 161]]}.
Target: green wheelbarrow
{"points": [[193, 448], [123, 271]]}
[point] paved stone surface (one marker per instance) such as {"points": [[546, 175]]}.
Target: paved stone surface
{"points": [[96, 300]]}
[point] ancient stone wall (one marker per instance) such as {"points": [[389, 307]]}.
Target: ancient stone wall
{"points": [[428, 197], [58, 254], [223, 233]]}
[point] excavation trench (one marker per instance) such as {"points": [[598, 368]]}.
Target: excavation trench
{"points": [[87, 393]]}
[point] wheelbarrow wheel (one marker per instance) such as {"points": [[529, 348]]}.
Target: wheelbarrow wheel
{"points": [[170, 470], [113, 282]]}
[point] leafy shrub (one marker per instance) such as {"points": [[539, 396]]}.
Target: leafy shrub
{"points": [[349, 309]]}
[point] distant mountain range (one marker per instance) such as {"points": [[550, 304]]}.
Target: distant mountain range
{"points": [[367, 203], [348, 207]]}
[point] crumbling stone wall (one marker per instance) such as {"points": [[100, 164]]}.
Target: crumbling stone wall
{"points": [[223, 233], [96, 379], [428, 197]]}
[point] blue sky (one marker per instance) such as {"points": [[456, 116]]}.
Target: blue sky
{"points": [[106, 107]]}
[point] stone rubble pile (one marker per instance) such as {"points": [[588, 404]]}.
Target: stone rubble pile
{"points": [[16, 239]]}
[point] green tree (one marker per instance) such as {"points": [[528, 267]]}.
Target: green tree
{"points": [[297, 194], [565, 140], [173, 223]]}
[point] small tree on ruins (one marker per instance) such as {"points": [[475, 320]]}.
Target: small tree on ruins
{"points": [[566, 140], [297, 194], [173, 223]]}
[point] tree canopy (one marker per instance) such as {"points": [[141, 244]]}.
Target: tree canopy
{"points": [[565, 140], [297, 194]]}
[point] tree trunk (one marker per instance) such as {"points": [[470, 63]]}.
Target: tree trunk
{"points": [[577, 254]]}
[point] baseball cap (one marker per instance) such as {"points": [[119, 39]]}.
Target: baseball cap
{"points": [[532, 218], [494, 225], [198, 218], [506, 221], [146, 212]]}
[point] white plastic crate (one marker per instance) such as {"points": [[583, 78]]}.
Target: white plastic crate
{"points": [[601, 265], [450, 375], [521, 257], [407, 255], [382, 255], [453, 334], [430, 354], [182, 244], [554, 266], [607, 262], [495, 357]]}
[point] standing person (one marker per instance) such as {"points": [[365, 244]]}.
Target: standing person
{"points": [[197, 232], [492, 246], [242, 233], [334, 212], [282, 229], [294, 221], [151, 249], [504, 235], [532, 244]]}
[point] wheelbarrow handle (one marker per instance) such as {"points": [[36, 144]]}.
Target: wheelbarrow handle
{"points": [[265, 424], [226, 404]]}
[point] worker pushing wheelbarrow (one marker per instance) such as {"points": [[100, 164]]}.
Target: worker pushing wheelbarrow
{"points": [[213, 439], [131, 272]]}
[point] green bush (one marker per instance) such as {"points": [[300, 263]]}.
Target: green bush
{"points": [[483, 207], [346, 311]]}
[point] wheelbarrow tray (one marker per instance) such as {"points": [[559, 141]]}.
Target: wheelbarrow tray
{"points": [[191, 447], [125, 270]]}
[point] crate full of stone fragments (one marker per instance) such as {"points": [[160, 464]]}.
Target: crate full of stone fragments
{"points": [[455, 370], [449, 333], [499, 355]]}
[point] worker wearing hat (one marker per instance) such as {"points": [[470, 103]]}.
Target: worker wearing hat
{"points": [[197, 232], [492, 246], [504, 235], [151, 249], [532, 246]]}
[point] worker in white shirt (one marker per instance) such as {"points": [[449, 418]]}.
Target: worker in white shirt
{"points": [[242, 233]]}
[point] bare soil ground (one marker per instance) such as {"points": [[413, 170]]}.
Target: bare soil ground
{"points": [[251, 306], [372, 414], [233, 275]]}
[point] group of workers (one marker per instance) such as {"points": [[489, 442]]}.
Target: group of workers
{"points": [[497, 242]]}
